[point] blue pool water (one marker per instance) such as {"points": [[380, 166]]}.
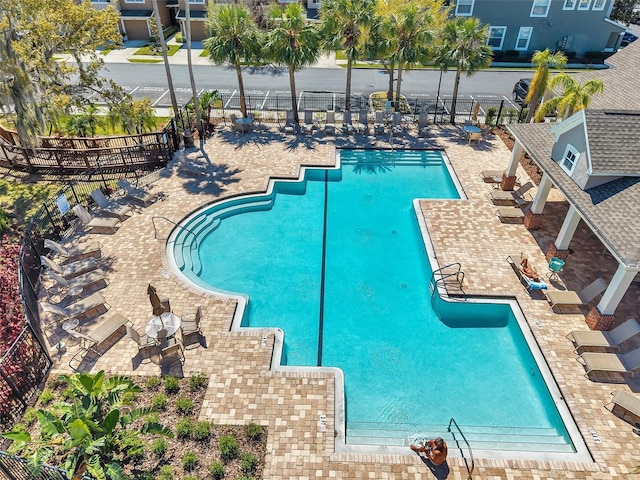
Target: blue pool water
{"points": [[339, 264]]}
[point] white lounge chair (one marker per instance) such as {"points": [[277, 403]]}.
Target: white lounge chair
{"points": [[515, 262], [91, 249], [423, 124], [363, 122], [96, 224], [378, 123], [308, 125], [93, 338], [396, 128], [330, 123], [110, 208], [86, 280], [585, 340], [69, 270], [143, 196], [501, 197], [611, 363], [626, 406], [77, 309], [510, 214], [583, 297], [347, 125], [290, 123]]}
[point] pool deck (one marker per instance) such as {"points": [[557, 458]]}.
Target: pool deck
{"points": [[244, 388]]}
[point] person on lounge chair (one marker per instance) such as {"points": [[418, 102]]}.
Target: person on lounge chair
{"points": [[528, 270], [436, 450]]}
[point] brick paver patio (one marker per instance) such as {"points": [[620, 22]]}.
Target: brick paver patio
{"points": [[244, 388]]}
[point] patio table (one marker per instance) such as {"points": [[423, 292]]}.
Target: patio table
{"points": [[168, 320]]}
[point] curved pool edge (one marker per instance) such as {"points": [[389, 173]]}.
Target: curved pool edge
{"points": [[340, 446]]}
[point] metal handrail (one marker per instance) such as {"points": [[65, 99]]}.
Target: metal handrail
{"points": [[155, 231], [442, 280], [473, 464]]}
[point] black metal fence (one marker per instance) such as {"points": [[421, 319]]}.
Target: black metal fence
{"points": [[17, 468]]}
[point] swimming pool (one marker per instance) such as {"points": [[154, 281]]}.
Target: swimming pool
{"points": [[337, 261]]}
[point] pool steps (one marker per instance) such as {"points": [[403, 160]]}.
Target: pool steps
{"points": [[479, 437]]}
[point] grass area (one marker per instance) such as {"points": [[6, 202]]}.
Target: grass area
{"points": [[143, 60], [149, 50], [22, 200]]}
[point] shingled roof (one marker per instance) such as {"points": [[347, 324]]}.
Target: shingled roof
{"points": [[613, 141]]}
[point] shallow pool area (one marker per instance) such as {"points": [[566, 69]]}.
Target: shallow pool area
{"points": [[338, 262]]}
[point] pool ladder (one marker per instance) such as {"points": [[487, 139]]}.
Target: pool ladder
{"points": [[448, 276], [155, 229], [453, 423]]}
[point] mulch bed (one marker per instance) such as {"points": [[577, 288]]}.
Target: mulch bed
{"points": [[168, 465], [525, 161]]}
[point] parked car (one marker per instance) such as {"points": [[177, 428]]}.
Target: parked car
{"points": [[520, 90], [627, 38]]}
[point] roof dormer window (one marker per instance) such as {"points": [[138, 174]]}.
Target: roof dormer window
{"points": [[569, 159]]}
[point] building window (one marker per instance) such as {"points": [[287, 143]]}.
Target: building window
{"points": [[464, 8], [540, 8], [599, 4], [569, 159], [496, 37], [584, 4], [524, 35], [569, 4], [196, 1], [134, 1]]}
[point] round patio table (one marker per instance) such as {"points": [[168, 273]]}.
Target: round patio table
{"points": [[472, 129], [168, 320]]}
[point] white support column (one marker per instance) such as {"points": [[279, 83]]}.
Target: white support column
{"points": [[514, 161], [616, 290], [541, 197], [568, 229]]}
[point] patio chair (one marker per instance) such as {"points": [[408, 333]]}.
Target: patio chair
{"points": [[77, 309], [74, 253], [290, 123], [110, 208], [583, 297], [330, 123], [625, 403], [170, 349], [509, 198], [363, 122], [70, 270], [529, 283], [378, 123], [347, 125], [485, 132], [585, 340], [611, 363], [510, 215], [308, 125], [423, 124], [83, 281], [141, 195], [191, 323], [142, 339], [96, 224], [475, 137]]}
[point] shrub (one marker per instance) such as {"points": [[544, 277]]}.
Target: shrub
{"points": [[166, 473], [58, 383], [171, 385], [133, 446], [184, 428], [30, 415], [184, 405], [197, 381], [245, 477], [190, 477], [68, 393], [159, 401], [46, 396], [5, 223], [128, 398], [152, 383], [253, 431], [217, 470], [178, 38], [490, 116], [248, 463], [228, 446], [159, 446], [201, 431], [153, 417], [189, 461]]}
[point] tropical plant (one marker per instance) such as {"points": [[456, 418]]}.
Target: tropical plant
{"points": [[575, 96], [293, 42], [208, 100], [89, 433], [622, 10], [463, 45], [233, 38], [545, 60], [343, 26]]}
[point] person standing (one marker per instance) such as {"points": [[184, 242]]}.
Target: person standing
{"points": [[436, 450]]}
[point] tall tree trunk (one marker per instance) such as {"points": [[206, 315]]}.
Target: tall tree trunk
{"points": [[400, 67], [243, 102], [194, 91], [390, 70], [294, 99], [163, 45], [456, 84], [347, 98]]}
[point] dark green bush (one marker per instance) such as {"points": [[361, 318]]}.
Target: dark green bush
{"points": [[253, 431], [189, 461], [201, 431], [159, 446], [228, 446], [184, 405], [152, 383], [171, 385], [248, 463], [166, 473], [184, 428], [217, 470], [159, 401], [197, 381]]}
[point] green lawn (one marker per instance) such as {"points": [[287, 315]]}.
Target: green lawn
{"points": [[149, 50]]}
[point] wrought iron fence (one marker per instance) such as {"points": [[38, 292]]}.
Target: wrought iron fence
{"points": [[13, 467]]}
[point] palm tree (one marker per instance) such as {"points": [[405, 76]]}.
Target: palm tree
{"points": [[163, 45], [544, 60], [463, 45], [233, 38], [343, 26], [575, 96], [194, 92], [89, 430], [292, 42]]}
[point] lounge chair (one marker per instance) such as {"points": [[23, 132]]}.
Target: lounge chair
{"points": [[347, 125], [423, 124], [70, 270], [612, 363], [397, 129], [308, 125], [77, 309], [510, 214], [625, 403], [330, 123], [530, 284], [90, 340], [74, 253], [139, 194], [583, 297], [492, 176], [378, 123], [500, 197], [363, 122], [585, 340], [109, 208], [96, 224], [290, 123], [86, 280]]}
